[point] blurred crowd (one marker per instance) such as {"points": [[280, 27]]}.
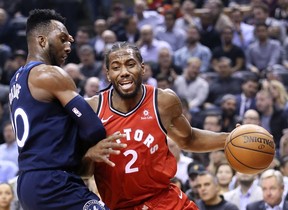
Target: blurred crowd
{"points": [[226, 59]]}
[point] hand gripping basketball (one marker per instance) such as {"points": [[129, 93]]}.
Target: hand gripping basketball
{"points": [[249, 149]]}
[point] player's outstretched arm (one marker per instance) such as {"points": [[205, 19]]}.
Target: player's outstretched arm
{"points": [[179, 129]]}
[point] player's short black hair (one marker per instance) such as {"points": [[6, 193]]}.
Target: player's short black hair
{"points": [[40, 18], [122, 45]]}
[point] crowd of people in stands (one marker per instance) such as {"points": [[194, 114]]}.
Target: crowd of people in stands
{"points": [[226, 59]]}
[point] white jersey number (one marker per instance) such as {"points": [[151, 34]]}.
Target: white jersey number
{"points": [[129, 167], [19, 112]]}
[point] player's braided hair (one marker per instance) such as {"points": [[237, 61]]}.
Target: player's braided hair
{"points": [[122, 45]]}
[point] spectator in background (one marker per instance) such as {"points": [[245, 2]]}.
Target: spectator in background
{"points": [[243, 33], [283, 150], [276, 29], [109, 38], [264, 52], [188, 15], [91, 87], [272, 184], [131, 33], [82, 37], [246, 99], [228, 110], [272, 119], [224, 83], [88, 65], [224, 174], [97, 42], [115, 22], [12, 64], [166, 65], [246, 192], [194, 168], [164, 82], [145, 16], [182, 161], [74, 72], [189, 83], [8, 170], [193, 48], [279, 95], [208, 190], [147, 77], [169, 32], [149, 46], [229, 50], [220, 19], [9, 149], [6, 196], [209, 36], [251, 116]]}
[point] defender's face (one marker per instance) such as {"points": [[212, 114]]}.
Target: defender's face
{"points": [[59, 41], [125, 72]]}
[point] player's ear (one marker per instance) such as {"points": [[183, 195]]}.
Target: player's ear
{"points": [[107, 75], [143, 68], [42, 40]]}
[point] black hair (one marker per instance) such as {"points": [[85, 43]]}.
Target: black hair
{"points": [[40, 18], [122, 45]]}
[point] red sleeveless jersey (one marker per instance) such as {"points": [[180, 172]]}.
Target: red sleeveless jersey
{"points": [[144, 168]]}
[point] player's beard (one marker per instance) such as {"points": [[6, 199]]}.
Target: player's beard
{"points": [[131, 95]]}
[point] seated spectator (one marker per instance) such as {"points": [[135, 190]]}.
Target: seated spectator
{"points": [[82, 37], [169, 32], [147, 77], [193, 169], [279, 94], [215, 159], [246, 99], [8, 170], [224, 174], [246, 192], [229, 50], [193, 48], [182, 161], [188, 15], [89, 66], [208, 190], [276, 28], [217, 14], [91, 87], [272, 119], [177, 182], [243, 33], [149, 46], [283, 149], [251, 116], [6, 196], [96, 41], [263, 53], [74, 72], [131, 33], [272, 184], [145, 16], [189, 83], [9, 149], [224, 83], [164, 81], [166, 65]]}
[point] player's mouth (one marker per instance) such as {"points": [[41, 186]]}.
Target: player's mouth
{"points": [[126, 85]]}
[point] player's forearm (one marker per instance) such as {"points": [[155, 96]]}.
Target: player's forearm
{"points": [[205, 141]]}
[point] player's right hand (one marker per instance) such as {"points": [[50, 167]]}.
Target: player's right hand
{"points": [[106, 147]]}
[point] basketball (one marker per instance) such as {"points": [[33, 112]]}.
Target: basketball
{"points": [[249, 149]]}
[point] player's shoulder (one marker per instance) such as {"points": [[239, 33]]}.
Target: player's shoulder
{"points": [[167, 94], [93, 102], [44, 71]]}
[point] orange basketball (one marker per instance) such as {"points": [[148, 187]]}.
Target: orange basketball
{"points": [[249, 149]]}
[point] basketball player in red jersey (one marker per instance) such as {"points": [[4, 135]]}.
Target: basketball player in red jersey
{"points": [[141, 176]]}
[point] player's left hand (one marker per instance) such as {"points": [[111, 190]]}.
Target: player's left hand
{"points": [[106, 147]]}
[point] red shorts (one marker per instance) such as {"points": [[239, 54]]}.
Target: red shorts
{"points": [[171, 199]]}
